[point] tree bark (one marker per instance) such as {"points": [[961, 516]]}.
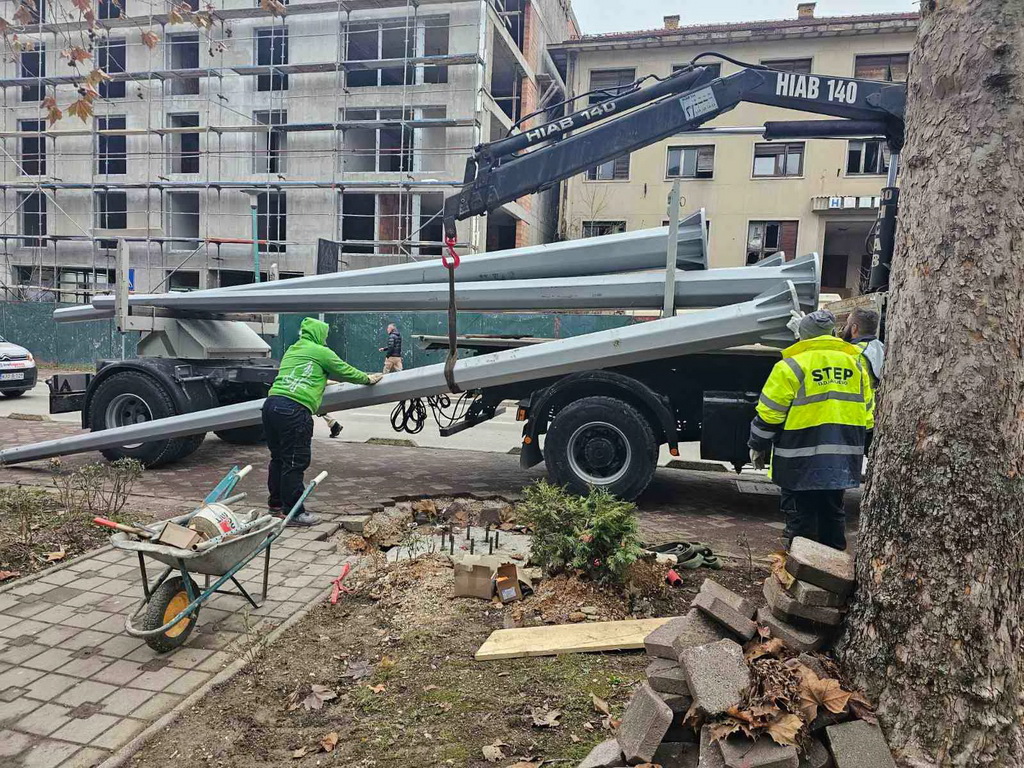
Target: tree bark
{"points": [[935, 631]]}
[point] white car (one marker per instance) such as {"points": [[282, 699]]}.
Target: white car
{"points": [[17, 369]]}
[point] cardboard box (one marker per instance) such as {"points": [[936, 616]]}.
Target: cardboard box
{"points": [[506, 583], [474, 579], [174, 535]]}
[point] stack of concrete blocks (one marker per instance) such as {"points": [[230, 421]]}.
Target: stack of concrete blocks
{"points": [[806, 614]]}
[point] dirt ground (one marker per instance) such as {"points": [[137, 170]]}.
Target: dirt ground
{"points": [[398, 658]]}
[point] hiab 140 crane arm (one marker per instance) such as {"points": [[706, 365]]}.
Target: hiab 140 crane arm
{"points": [[539, 157]]}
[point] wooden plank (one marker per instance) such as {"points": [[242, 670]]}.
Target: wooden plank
{"points": [[586, 637]]}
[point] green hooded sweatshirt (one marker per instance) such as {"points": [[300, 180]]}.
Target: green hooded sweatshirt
{"points": [[308, 363]]}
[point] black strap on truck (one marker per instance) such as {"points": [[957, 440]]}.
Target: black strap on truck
{"points": [[453, 348]]}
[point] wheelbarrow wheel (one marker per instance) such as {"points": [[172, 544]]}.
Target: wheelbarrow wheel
{"points": [[167, 602]]}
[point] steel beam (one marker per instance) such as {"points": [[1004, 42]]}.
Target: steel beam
{"points": [[746, 323], [609, 254], [644, 290]]}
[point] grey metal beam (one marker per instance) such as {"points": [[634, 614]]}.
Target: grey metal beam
{"points": [[746, 323], [644, 290], [609, 254]]}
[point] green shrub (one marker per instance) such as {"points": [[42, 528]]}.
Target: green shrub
{"points": [[596, 534]]}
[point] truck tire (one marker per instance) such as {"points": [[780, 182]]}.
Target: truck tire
{"points": [[133, 397], [14, 392], [242, 435], [601, 442]]}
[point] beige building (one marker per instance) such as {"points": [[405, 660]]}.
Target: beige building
{"points": [[761, 197]]}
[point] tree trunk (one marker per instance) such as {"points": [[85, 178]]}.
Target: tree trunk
{"points": [[935, 631]]}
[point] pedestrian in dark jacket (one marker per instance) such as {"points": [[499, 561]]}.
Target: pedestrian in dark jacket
{"points": [[393, 351]]}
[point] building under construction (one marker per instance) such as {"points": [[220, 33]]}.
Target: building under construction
{"points": [[230, 138]]}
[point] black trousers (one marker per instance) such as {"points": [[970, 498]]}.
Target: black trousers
{"points": [[289, 429], [815, 515]]}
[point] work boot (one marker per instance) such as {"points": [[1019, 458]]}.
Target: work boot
{"points": [[303, 519]]}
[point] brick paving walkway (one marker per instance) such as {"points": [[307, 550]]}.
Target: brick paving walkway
{"points": [[74, 687]]}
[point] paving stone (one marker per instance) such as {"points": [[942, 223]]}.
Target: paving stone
{"points": [[138, 703], [822, 566], [89, 757], [737, 602], [717, 675], [696, 629], [815, 756], [659, 642], [858, 744], [667, 676], [607, 754], [89, 690], [679, 704], [157, 681], [354, 523], [677, 754], [117, 735], [49, 754], [85, 730], [12, 712], [806, 593], [11, 743], [644, 724], [788, 609], [726, 615], [710, 752], [119, 673], [23, 654], [44, 720], [48, 687], [796, 638], [741, 752]]}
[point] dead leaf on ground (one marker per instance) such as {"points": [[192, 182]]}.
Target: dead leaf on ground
{"points": [[815, 692], [59, 554], [5, 575], [547, 719], [861, 708], [432, 688], [600, 705], [318, 694], [609, 723], [300, 752], [784, 729], [493, 752], [588, 726], [777, 562], [525, 764], [723, 729], [377, 688], [329, 742], [771, 647], [386, 662], [358, 669], [574, 738]]}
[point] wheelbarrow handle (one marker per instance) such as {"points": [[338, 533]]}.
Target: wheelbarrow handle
{"points": [[121, 527], [320, 478], [244, 471]]}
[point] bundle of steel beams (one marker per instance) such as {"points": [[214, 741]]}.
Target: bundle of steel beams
{"points": [[748, 322]]}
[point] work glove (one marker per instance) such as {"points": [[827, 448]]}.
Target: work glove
{"points": [[375, 377], [794, 323], [757, 458]]}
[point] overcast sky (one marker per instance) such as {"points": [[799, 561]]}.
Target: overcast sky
{"points": [[626, 15]]}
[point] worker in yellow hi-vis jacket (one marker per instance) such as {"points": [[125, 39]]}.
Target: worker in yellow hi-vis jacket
{"points": [[813, 417]]}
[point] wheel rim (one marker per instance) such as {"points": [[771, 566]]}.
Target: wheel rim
{"points": [[127, 409], [599, 453], [177, 604]]}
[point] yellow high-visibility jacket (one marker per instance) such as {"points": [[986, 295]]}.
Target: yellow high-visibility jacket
{"points": [[813, 414]]}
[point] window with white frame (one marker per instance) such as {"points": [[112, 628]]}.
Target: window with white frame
{"points": [[270, 147], [111, 213], [779, 159], [33, 147], [184, 144], [767, 237], [373, 41], [33, 64], [691, 162], [271, 50], [111, 148], [867, 158], [110, 56], [32, 206], [183, 53], [272, 221]]}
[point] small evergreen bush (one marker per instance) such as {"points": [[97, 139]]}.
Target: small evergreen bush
{"points": [[595, 534]]}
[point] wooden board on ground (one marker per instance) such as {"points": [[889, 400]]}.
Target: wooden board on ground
{"points": [[585, 637]]}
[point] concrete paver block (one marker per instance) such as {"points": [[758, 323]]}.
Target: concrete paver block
{"points": [[815, 756], [667, 676], [741, 752], [710, 751], [726, 615], [85, 730], [796, 638], [806, 593], [44, 720], [677, 754], [607, 754], [717, 674], [12, 742], [697, 629], [659, 642], [644, 724], [788, 609], [821, 566], [679, 703], [737, 602], [858, 744], [50, 754]]}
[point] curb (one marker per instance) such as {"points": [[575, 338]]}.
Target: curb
{"points": [[125, 753]]}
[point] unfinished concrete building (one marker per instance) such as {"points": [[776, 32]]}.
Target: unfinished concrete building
{"points": [[253, 120]]}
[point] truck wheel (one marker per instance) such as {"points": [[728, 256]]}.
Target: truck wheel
{"points": [[14, 392], [242, 435], [604, 443], [132, 397]]}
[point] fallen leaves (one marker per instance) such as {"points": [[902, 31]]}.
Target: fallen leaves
{"points": [[815, 692], [377, 688], [52, 557], [310, 700], [329, 742], [299, 753], [777, 566], [772, 647], [494, 752], [600, 705], [547, 719], [784, 729], [358, 669]]}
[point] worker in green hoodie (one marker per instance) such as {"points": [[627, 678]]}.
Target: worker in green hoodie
{"points": [[288, 413]]}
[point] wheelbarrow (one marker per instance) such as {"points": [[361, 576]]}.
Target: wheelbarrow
{"points": [[170, 606]]}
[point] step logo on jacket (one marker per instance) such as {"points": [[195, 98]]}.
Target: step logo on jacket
{"points": [[831, 375]]}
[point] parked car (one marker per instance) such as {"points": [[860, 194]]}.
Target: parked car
{"points": [[17, 369]]}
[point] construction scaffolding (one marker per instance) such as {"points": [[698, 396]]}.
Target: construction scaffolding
{"points": [[238, 135]]}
